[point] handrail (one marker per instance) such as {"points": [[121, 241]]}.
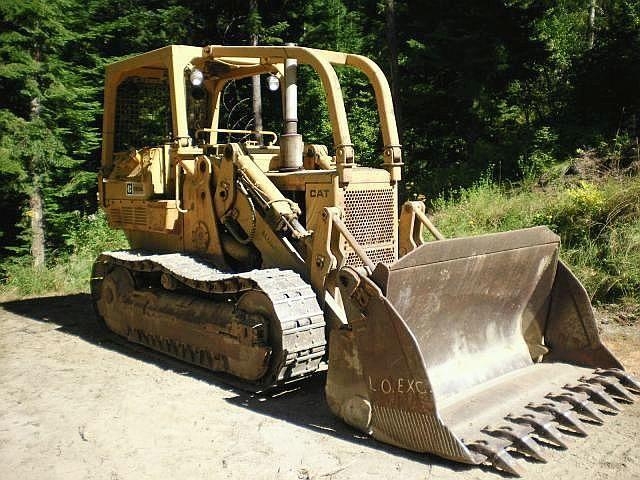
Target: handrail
{"points": [[232, 130], [348, 236], [425, 221]]}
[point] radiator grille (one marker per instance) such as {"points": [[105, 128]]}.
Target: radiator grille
{"points": [[370, 217], [128, 216], [382, 255]]}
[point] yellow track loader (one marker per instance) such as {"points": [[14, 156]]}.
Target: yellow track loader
{"points": [[266, 258]]}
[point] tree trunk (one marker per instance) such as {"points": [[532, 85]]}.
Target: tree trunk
{"points": [[592, 23], [37, 222], [392, 45], [35, 197], [255, 81]]}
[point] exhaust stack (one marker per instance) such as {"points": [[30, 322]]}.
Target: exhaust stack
{"points": [[291, 142]]}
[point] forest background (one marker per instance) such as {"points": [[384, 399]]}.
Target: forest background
{"points": [[511, 114]]}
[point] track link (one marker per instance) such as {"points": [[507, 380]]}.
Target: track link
{"points": [[297, 353]]}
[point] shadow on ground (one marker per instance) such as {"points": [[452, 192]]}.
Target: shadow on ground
{"points": [[301, 403]]}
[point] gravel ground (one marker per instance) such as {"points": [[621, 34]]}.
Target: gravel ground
{"points": [[76, 402]]}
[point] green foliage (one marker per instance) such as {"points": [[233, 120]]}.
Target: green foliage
{"points": [[599, 224], [541, 157], [468, 72], [69, 273], [597, 86], [46, 114], [116, 28], [90, 234], [563, 26]]}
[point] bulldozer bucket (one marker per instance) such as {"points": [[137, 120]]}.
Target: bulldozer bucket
{"points": [[471, 348]]}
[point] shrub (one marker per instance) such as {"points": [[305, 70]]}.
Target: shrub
{"points": [[68, 273], [599, 224]]}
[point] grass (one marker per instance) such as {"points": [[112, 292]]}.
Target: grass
{"points": [[598, 222], [66, 273]]}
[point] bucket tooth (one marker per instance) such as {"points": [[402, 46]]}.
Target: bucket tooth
{"points": [[614, 386], [563, 413], [494, 451], [597, 394], [543, 426], [519, 436], [625, 378], [580, 402]]}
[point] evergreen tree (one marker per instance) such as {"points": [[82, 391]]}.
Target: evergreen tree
{"points": [[46, 115], [467, 68], [603, 104]]}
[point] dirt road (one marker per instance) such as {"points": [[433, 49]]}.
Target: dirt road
{"points": [[78, 403]]}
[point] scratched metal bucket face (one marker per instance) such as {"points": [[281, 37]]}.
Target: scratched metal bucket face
{"points": [[469, 302]]}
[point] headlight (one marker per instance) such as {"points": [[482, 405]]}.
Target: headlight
{"points": [[196, 77]]}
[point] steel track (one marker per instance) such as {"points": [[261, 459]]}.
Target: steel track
{"points": [[294, 303]]}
